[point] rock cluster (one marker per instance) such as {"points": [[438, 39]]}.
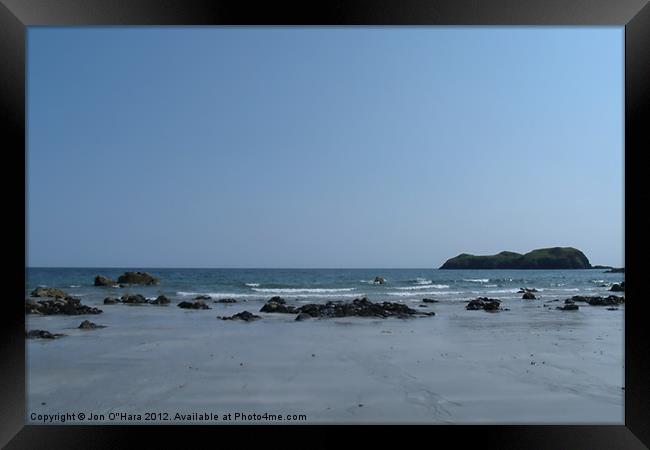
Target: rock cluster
{"points": [[360, 307], [48, 292], [277, 305], [484, 303], [160, 300], [42, 334], [568, 307], [136, 299], [244, 315], [68, 305], [198, 304], [612, 300]]}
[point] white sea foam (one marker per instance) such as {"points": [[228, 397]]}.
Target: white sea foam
{"points": [[300, 290], [217, 295], [500, 291], [74, 286], [252, 284], [422, 281], [479, 280], [428, 286], [371, 281]]}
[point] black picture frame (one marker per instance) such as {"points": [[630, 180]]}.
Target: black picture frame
{"points": [[634, 15]]}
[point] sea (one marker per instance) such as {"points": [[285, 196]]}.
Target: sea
{"points": [[321, 285]]}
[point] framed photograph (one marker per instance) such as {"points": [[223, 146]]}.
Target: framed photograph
{"points": [[312, 216]]}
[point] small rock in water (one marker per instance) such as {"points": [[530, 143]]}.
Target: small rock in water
{"points": [[484, 303], [612, 300], [199, 304], [226, 300], [277, 305], [42, 334], [88, 325], [134, 299], [161, 300], [528, 296], [618, 287], [137, 278], [525, 289], [202, 297], [104, 281], [244, 315], [429, 300], [569, 307], [379, 280]]}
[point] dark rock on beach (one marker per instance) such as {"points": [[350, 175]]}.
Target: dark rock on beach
{"points": [[361, 308], [134, 299], [568, 307], [429, 300], [199, 304], [612, 300], [104, 281], [88, 325], [48, 292], [244, 315], [68, 306], [618, 287], [160, 300], [379, 280], [484, 303], [524, 290], [277, 305], [42, 334], [226, 300], [137, 278], [528, 296]]}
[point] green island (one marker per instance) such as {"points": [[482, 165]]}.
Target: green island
{"points": [[542, 258]]}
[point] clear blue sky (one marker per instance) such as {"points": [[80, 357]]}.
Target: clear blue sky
{"points": [[322, 147]]}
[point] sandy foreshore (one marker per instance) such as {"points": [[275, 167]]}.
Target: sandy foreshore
{"points": [[531, 364]]}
